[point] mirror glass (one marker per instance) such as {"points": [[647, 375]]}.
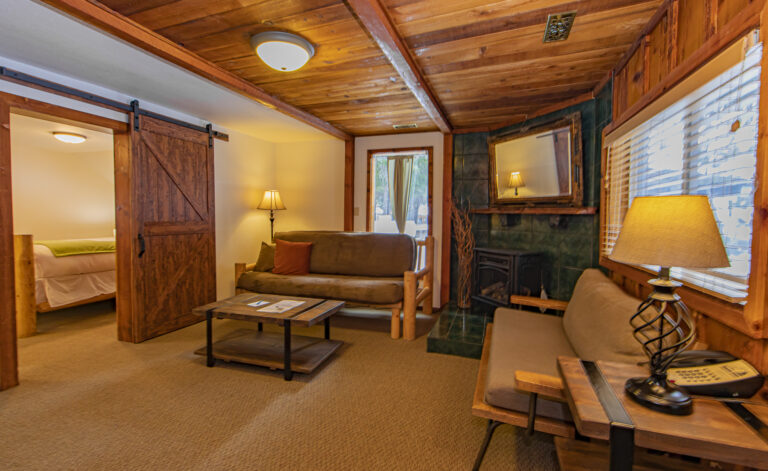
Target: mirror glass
{"points": [[540, 164]]}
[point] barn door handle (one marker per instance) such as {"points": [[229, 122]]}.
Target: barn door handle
{"points": [[142, 245]]}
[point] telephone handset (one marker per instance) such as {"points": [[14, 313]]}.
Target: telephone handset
{"points": [[714, 373]]}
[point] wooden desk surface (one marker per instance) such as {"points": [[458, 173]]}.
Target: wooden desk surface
{"points": [[306, 315], [712, 432]]}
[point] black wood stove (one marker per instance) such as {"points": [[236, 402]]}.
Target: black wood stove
{"points": [[497, 273]]}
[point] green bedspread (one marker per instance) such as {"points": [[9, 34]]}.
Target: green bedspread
{"points": [[64, 248]]}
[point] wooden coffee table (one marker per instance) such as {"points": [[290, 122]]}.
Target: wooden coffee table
{"points": [[256, 347]]}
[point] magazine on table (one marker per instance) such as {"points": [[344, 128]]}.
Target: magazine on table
{"points": [[281, 306]]}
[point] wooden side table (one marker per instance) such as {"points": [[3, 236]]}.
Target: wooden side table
{"points": [[712, 432]]}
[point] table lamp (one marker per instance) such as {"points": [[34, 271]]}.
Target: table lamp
{"points": [[668, 231], [272, 202], [516, 181]]}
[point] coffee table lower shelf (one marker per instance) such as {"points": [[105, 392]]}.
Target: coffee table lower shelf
{"points": [[266, 349]]}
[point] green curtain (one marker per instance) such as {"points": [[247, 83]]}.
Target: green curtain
{"points": [[400, 170]]}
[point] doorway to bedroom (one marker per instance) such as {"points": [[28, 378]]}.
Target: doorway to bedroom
{"points": [[63, 193]]}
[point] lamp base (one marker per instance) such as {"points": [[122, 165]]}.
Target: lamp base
{"points": [[656, 393]]}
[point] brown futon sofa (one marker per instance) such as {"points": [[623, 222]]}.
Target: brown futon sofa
{"points": [[521, 348], [357, 267]]}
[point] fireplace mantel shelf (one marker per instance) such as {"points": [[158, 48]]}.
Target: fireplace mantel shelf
{"points": [[535, 210]]}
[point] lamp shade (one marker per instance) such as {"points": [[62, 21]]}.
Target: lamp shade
{"points": [[670, 231], [271, 200], [516, 180]]}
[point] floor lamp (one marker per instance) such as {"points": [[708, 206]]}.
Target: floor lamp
{"points": [[666, 231], [272, 202]]}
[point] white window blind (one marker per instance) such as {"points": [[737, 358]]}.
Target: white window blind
{"points": [[704, 144]]}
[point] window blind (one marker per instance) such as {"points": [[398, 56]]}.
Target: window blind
{"points": [[704, 144]]}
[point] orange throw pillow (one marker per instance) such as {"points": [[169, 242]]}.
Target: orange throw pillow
{"points": [[292, 258]]}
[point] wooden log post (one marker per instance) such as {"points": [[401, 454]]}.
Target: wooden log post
{"points": [[409, 306], [395, 328], [24, 270], [430, 278]]}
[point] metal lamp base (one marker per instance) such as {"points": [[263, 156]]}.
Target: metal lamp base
{"points": [[656, 393]]}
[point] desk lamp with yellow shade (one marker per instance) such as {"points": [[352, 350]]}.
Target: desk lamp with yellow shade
{"points": [[666, 231]]}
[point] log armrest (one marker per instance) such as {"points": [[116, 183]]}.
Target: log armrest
{"points": [[544, 385], [533, 301], [418, 289], [241, 268]]}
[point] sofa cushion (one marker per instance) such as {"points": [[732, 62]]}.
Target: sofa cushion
{"points": [[525, 341], [596, 320], [373, 290], [357, 253], [266, 260], [292, 258]]}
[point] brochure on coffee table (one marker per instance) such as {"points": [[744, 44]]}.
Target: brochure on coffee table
{"points": [[281, 306]]}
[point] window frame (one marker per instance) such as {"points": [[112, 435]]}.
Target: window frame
{"points": [[369, 191], [748, 316], [696, 298]]}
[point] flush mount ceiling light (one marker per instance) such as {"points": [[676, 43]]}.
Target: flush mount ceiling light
{"points": [[282, 51], [69, 137]]}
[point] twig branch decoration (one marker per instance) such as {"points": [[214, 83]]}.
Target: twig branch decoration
{"points": [[465, 246]]}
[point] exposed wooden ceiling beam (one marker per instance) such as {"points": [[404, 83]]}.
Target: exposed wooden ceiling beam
{"points": [[114, 23], [375, 19]]}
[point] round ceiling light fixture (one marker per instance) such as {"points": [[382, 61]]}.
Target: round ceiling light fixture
{"points": [[282, 51], [69, 137]]}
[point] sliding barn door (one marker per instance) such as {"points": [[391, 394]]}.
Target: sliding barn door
{"points": [[173, 266]]}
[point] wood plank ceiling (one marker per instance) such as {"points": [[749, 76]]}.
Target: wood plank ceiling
{"points": [[484, 60]]}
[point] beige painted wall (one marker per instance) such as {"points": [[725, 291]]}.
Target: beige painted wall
{"points": [[244, 168], [427, 139], [61, 195], [310, 178]]}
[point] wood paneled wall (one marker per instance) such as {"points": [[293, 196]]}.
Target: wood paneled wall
{"points": [[682, 36]]}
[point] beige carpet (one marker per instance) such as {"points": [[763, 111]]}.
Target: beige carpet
{"points": [[89, 402]]}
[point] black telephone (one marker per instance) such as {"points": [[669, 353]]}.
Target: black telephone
{"points": [[714, 373]]}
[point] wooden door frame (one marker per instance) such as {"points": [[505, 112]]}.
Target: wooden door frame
{"points": [[13, 103], [368, 199], [9, 375]]}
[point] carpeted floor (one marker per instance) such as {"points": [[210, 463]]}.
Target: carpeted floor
{"points": [[89, 402]]}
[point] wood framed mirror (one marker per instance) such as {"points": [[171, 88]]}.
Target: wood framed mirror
{"points": [[538, 165]]}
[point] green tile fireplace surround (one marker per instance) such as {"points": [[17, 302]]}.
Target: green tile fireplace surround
{"points": [[570, 242], [458, 332]]}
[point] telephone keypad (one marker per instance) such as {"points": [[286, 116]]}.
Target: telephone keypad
{"points": [[711, 374]]}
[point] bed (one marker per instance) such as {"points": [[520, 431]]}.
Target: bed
{"points": [[47, 282]]}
